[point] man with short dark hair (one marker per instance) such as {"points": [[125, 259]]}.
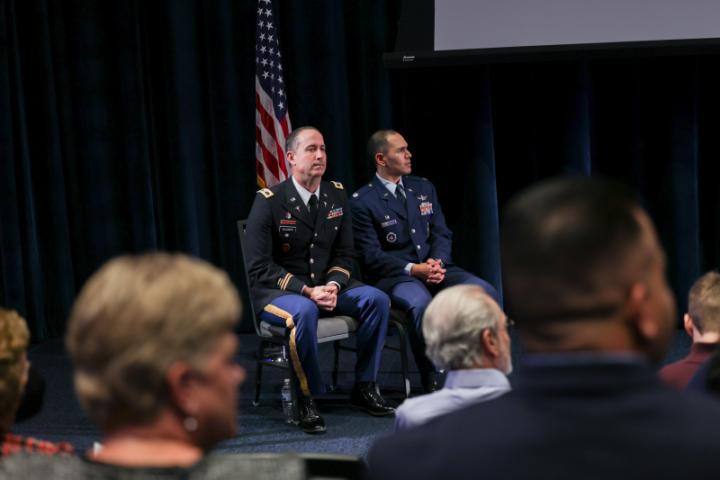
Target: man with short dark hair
{"points": [[405, 247], [702, 324], [300, 256], [466, 333], [584, 279]]}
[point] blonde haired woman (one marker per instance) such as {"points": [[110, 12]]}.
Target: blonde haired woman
{"points": [[152, 343]]}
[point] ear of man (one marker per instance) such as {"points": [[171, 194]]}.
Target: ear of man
{"points": [[380, 159], [181, 381], [689, 325], [648, 328], [490, 344]]}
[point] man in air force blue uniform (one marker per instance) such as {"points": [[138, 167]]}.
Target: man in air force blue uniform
{"points": [[300, 250], [404, 245]]}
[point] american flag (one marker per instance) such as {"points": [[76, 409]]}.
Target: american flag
{"points": [[272, 121]]}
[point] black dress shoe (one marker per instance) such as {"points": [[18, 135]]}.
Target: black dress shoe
{"points": [[310, 419], [366, 396]]}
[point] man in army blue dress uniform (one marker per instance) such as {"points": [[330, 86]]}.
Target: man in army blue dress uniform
{"points": [[300, 251], [404, 245]]}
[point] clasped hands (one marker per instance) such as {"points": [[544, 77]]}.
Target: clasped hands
{"points": [[431, 271], [324, 296]]}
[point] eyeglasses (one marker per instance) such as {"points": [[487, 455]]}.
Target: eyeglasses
{"points": [[509, 324]]}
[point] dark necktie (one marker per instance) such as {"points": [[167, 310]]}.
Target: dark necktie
{"points": [[400, 193], [313, 206]]}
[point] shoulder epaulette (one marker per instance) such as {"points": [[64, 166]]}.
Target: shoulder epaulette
{"points": [[337, 185], [413, 177], [266, 192], [362, 190]]}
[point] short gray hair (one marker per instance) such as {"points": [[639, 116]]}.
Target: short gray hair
{"points": [[453, 324]]}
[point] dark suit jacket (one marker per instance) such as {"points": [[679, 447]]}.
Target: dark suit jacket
{"points": [[592, 421], [286, 250], [388, 236]]}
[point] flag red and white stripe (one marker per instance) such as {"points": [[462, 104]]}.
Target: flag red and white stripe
{"points": [[272, 121]]}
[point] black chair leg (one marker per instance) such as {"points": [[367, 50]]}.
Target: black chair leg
{"points": [[336, 365], [258, 372], [404, 359]]}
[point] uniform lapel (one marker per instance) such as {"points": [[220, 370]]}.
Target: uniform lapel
{"points": [[294, 204], [389, 199], [413, 204], [325, 203]]}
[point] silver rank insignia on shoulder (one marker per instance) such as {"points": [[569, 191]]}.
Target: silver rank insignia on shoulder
{"points": [[337, 185], [266, 192]]}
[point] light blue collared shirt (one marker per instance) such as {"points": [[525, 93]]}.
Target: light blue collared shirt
{"points": [[462, 388], [390, 185]]}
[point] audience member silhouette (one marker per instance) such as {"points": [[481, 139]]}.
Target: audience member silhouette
{"points": [[702, 324], [14, 375]]}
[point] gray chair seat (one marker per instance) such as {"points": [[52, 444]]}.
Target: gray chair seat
{"points": [[329, 329]]}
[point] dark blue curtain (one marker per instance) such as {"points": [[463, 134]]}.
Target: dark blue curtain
{"points": [[483, 133], [129, 126]]}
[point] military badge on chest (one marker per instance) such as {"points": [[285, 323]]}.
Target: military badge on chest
{"points": [[426, 208], [334, 213], [391, 237], [288, 226]]}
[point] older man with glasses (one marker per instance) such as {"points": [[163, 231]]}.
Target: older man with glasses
{"points": [[466, 333]]}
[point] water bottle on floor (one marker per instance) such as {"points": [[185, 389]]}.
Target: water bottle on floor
{"points": [[287, 403]]}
